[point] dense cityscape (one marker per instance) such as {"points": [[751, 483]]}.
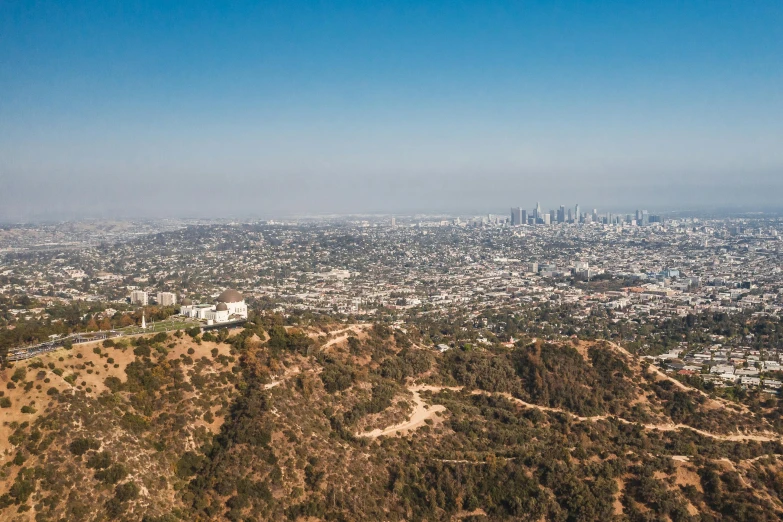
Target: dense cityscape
{"points": [[398, 269]]}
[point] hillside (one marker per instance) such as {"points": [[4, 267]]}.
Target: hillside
{"points": [[363, 423]]}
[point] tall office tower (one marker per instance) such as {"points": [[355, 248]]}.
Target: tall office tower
{"points": [[570, 218], [577, 215], [516, 216], [561, 214], [537, 214], [547, 219], [638, 216], [524, 216], [393, 222], [139, 297], [645, 218], [167, 299], [552, 216]]}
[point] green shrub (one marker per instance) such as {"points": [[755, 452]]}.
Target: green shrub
{"points": [[22, 488], [19, 374], [336, 377], [189, 465], [100, 460], [127, 491], [113, 383], [193, 332], [82, 445], [112, 474], [134, 423]]}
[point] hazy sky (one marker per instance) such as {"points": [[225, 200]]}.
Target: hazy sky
{"points": [[192, 108]]}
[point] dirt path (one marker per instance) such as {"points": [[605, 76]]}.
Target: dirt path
{"points": [[273, 384], [343, 335], [338, 339], [754, 459], [660, 427], [732, 438], [421, 412], [287, 374]]}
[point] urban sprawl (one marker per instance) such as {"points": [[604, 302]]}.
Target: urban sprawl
{"points": [[619, 271]]}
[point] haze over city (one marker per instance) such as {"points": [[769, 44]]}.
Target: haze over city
{"points": [[204, 109], [391, 261]]}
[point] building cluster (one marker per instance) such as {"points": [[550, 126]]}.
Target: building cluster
{"points": [[520, 216], [229, 306], [140, 297], [726, 365], [438, 266]]}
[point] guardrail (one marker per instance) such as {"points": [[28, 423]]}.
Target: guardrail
{"points": [[19, 354]]}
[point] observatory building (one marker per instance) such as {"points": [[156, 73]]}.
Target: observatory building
{"points": [[230, 306]]}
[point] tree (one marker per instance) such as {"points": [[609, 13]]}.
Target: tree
{"points": [[92, 326]]}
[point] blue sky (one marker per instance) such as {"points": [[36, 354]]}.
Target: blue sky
{"points": [[219, 108]]}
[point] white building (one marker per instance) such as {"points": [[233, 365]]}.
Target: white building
{"points": [[723, 369], [230, 306], [750, 381], [167, 299], [139, 297]]}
